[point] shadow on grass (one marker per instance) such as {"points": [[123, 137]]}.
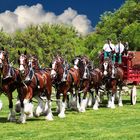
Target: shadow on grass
{"points": [[3, 120]]}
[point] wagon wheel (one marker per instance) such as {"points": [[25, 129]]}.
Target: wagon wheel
{"points": [[133, 95]]}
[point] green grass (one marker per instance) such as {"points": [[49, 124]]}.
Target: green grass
{"points": [[122, 123]]}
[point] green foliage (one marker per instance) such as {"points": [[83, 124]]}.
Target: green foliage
{"points": [[131, 33], [45, 41], [48, 40], [123, 23]]}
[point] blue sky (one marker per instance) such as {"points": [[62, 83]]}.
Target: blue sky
{"points": [[92, 8], [83, 15]]}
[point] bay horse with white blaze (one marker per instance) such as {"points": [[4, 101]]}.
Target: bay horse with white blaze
{"points": [[65, 81], [112, 78], [33, 86], [91, 80], [8, 84]]}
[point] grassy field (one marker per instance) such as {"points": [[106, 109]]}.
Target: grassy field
{"points": [[122, 123]]}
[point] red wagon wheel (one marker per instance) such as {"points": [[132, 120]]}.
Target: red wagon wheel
{"points": [[133, 95]]}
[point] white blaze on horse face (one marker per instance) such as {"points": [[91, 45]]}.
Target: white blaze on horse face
{"points": [[105, 68], [76, 63], [64, 74], [1, 56], [85, 72], [53, 72], [21, 68]]}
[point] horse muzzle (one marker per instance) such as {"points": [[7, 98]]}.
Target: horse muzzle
{"points": [[1, 66], [105, 73], [53, 73]]}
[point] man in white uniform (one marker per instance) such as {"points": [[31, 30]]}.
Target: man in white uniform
{"points": [[109, 50], [119, 49]]}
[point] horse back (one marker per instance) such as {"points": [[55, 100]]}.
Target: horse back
{"points": [[96, 75], [75, 75], [119, 73], [44, 78]]}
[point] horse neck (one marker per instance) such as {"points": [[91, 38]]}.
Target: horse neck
{"points": [[27, 69], [5, 69], [60, 72], [81, 70], [35, 65]]}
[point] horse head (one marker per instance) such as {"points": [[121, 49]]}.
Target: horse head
{"points": [[108, 68], [33, 62], [3, 58], [66, 67], [23, 63], [86, 66], [56, 67]]}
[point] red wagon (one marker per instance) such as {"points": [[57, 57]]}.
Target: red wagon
{"points": [[131, 67]]}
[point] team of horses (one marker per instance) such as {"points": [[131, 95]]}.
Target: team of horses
{"points": [[81, 78]]}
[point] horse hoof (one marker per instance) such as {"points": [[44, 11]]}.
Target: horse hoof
{"points": [[82, 110], [95, 108], [11, 119], [120, 104], [30, 115], [49, 118], [113, 107], [21, 121], [108, 106], [61, 115]]}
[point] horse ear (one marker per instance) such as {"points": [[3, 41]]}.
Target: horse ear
{"points": [[18, 52], [25, 52]]}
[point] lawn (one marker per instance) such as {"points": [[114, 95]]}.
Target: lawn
{"points": [[122, 123]]}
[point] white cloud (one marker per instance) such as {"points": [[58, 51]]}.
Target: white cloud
{"points": [[25, 15]]}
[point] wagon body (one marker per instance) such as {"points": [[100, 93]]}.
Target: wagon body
{"points": [[131, 67]]}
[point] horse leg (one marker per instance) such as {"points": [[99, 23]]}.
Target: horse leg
{"points": [[112, 101], [48, 105], [11, 116], [40, 107], [77, 101], [114, 90], [28, 106], [68, 100], [109, 99], [120, 97], [18, 105], [90, 98], [84, 101], [23, 116], [58, 102], [73, 102], [63, 106], [97, 99]]}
